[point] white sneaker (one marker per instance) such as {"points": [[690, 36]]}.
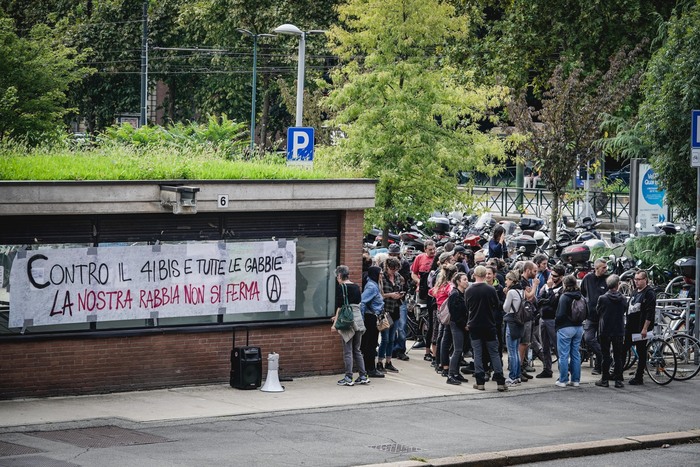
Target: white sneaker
{"points": [[559, 384], [510, 382], [574, 384]]}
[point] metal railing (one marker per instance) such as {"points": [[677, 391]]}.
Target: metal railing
{"points": [[511, 201]]}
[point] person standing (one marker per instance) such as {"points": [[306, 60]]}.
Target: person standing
{"points": [[420, 269], [399, 350], [458, 326], [481, 300], [371, 305], [611, 312], [529, 283], [392, 292], [641, 313], [514, 330], [547, 304], [569, 335], [351, 347], [593, 286], [497, 244]]}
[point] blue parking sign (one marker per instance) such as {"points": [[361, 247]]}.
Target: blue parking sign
{"points": [[300, 145]]}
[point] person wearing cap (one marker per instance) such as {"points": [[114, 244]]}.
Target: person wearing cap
{"points": [[399, 350], [460, 256]]}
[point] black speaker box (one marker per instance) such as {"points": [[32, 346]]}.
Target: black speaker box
{"points": [[246, 367]]}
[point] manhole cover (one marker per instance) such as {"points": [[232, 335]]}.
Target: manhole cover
{"points": [[11, 449], [100, 437], [395, 448], [36, 461]]}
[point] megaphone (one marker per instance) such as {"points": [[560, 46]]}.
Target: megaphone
{"points": [[272, 382]]}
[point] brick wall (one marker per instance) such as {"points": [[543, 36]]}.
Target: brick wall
{"points": [[111, 364], [69, 366]]}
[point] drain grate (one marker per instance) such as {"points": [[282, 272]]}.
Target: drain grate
{"points": [[100, 437], [11, 449], [36, 461], [395, 448]]}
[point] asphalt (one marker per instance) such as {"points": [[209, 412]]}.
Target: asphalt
{"points": [[416, 381]]}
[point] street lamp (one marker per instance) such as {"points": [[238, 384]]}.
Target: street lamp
{"points": [[293, 30], [255, 82]]}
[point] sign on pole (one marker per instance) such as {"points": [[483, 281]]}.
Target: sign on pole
{"points": [[695, 139], [300, 146]]}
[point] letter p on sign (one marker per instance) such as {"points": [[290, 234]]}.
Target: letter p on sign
{"points": [[300, 146]]}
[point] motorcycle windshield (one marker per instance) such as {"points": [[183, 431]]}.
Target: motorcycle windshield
{"points": [[484, 219]]}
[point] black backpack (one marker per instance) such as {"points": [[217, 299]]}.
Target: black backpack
{"points": [[525, 312], [578, 311]]}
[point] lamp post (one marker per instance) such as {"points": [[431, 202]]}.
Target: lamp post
{"points": [[293, 30], [255, 82]]}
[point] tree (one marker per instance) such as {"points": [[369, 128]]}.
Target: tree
{"points": [[35, 74], [409, 118], [671, 90], [562, 135], [524, 40]]}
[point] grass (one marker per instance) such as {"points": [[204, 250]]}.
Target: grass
{"points": [[155, 162]]}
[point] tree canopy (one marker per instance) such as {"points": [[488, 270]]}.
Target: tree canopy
{"points": [[35, 74], [409, 118]]}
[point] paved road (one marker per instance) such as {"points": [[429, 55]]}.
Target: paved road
{"points": [[683, 454], [379, 432]]}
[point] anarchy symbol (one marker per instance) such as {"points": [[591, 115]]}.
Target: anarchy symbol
{"points": [[274, 288]]}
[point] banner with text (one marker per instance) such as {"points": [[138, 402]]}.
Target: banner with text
{"points": [[75, 285]]}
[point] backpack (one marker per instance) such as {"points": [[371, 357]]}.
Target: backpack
{"points": [[345, 318], [443, 313], [578, 310], [525, 312]]}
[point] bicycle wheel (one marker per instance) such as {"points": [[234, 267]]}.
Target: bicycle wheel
{"points": [[661, 361], [687, 350], [630, 359]]}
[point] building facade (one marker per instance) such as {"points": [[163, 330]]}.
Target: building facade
{"points": [[114, 286]]}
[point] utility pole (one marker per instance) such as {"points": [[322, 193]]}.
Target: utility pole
{"points": [[144, 66]]}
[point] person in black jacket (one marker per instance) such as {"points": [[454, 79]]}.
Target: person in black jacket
{"points": [[458, 325], [640, 319], [611, 313], [482, 299], [569, 335], [547, 304], [593, 286]]}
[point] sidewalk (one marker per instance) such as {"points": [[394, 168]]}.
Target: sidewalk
{"points": [[415, 380]]}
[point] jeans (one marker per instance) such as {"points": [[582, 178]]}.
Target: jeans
{"points": [[549, 341], [458, 339], [568, 344], [486, 343], [513, 356], [618, 349], [400, 341], [590, 335], [352, 353], [387, 342], [445, 345]]}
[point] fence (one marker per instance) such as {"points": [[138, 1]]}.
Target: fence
{"points": [[511, 201]]}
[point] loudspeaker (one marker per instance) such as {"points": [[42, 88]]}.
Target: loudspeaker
{"points": [[246, 367]]}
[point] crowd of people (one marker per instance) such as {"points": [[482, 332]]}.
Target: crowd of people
{"points": [[475, 308]]}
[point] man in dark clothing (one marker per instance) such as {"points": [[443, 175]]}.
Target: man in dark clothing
{"points": [[547, 305], [592, 287], [641, 313], [481, 300], [611, 311]]}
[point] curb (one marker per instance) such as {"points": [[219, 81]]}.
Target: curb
{"points": [[560, 451]]}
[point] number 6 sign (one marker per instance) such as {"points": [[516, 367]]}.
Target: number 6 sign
{"points": [[222, 201]]}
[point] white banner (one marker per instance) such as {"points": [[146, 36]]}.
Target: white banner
{"points": [[75, 285], [651, 208]]}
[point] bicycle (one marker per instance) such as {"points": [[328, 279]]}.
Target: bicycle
{"points": [[417, 324]]}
